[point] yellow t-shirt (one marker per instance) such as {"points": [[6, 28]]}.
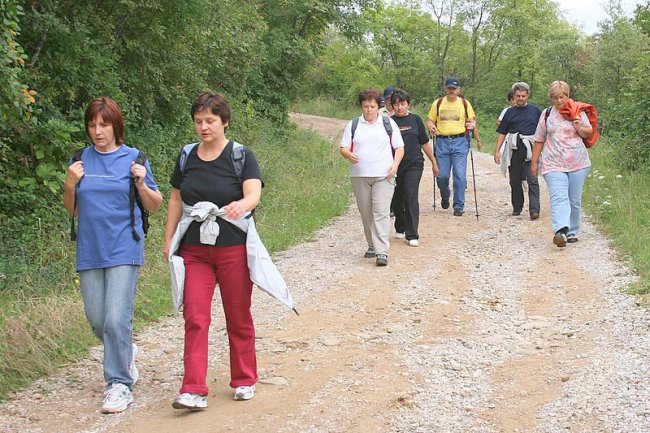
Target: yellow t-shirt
{"points": [[452, 116]]}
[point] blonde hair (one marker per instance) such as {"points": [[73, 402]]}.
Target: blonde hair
{"points": [[557, 88]]}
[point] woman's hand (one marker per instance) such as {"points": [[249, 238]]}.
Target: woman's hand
{"points": [[139, 172], [533, 168], [74, 174], [497, 158], [435, 169], [234, 210], [354, 159]]}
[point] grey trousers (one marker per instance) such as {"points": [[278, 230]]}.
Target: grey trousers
{"points": [[374, 195]]}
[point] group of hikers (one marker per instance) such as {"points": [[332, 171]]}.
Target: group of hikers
{"points": [[387, 162], [217, 183]]}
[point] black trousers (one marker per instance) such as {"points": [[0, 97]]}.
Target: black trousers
{"points": [[405, 201], [520, 170]]}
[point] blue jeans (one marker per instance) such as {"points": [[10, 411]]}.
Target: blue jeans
{"points": [[451, 154], [109, 296], [565, 190]]}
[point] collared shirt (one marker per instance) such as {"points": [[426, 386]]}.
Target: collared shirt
{"points": [[372, 146]]}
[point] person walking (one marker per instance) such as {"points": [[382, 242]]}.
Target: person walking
{"points": [[452, 120], [405, 200], [368, 143], [511, 101], [387, 109], [563, 161], [110, 240], [205, 178], [516, 131]]}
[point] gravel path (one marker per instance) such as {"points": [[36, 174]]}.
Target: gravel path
{"points": [[486, 327]]}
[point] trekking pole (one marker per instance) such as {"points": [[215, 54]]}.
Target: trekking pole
{"points": [[471, 157], [433, 138]]}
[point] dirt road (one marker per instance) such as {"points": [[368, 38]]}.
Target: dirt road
{"points": [[485, 327]]}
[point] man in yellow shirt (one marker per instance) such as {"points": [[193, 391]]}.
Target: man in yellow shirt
{"points": [[450, 119]]}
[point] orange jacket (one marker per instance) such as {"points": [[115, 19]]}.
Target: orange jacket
{"points": [[571, 111]]}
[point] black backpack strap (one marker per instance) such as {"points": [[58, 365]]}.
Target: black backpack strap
{"points": [[73, 233], [389, 129], [134, 198], [546, 114], [353, 128], [238, 158]]}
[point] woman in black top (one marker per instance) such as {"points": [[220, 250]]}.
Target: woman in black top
{"points": [[405, 200], [208, 174]]}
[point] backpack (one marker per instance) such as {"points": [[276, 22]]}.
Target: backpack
{"points": [[134, 198], [592, 115], [237, 157], [387, 126]]}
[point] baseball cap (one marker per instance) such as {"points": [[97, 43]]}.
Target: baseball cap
{"points": [[388, 91], [452, 82]]}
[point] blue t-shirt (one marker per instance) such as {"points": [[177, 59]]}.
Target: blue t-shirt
{"points": [[104, 234]]}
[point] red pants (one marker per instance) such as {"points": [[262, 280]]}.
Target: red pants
{"points": [[205, 266]]}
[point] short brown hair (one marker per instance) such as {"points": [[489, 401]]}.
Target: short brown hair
{"points": [[216, 103], [110, 112], [370, 95]]}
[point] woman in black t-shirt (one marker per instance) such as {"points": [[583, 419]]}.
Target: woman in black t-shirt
{"points": [[405, 200], [207, 174]]}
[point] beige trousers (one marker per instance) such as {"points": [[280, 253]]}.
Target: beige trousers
{"points": [[374, 195]]}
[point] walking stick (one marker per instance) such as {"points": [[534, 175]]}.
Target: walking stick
{"points": [[433, 138], [471, 157]]}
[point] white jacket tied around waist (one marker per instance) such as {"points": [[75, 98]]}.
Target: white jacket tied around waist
{"points": [[510, 144], [262, 271]]}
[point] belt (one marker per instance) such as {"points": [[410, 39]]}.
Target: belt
{"points": [[452, 136]]}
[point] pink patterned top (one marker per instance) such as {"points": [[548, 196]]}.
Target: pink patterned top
{"points": [[563, 148]]}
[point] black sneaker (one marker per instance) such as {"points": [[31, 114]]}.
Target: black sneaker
{"points": [[560, 239], [370, 253], [445, 203], [458, 212], [516, 212], [572, 239], [382, 259]]}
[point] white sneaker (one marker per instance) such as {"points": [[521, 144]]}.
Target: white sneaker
{"points": [[413, 242], [117, 398], [244, 392], [399, 235], [190, 401], [133, 370]]}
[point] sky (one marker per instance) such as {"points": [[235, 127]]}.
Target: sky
{"points": [[586, 13]]}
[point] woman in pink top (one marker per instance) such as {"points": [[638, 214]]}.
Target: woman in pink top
{"points": [[564, 163]]}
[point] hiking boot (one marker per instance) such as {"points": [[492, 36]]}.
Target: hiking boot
{"points": [[458, 212], [244, 392], [534, 216], [413, 242], [190, 401], [444, 203], [572, 239], [399, 235], [382, 259], [370, 253], [133, 371], [560, 239], [117, 398]]}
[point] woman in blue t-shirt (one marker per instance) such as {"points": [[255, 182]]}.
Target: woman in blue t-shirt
{"points": [[207, 177], [110, 240]]}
